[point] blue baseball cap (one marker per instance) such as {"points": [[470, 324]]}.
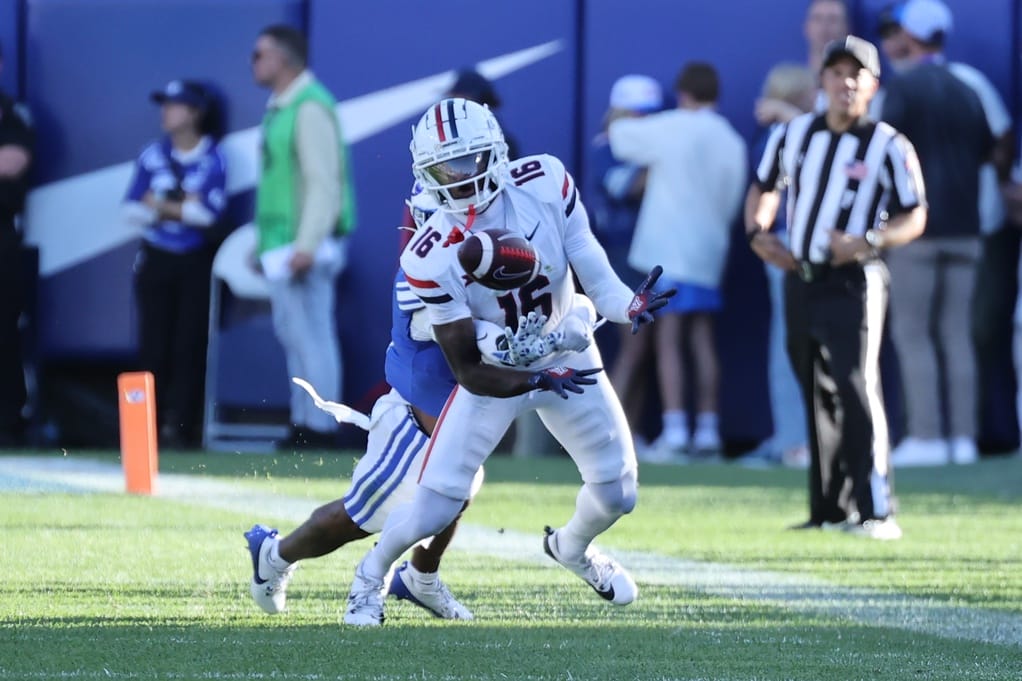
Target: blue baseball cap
{"points": [[182, 92]]}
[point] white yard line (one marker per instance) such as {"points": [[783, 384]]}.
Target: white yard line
{"points": [[793, 591]]}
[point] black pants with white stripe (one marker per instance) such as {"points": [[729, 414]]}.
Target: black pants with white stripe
{"points": [[835, 325]]}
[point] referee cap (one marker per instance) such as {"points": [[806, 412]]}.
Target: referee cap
{"points": [[858, 49], [182, 92]]}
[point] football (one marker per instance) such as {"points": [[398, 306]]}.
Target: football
{"points": [[498, 259]]}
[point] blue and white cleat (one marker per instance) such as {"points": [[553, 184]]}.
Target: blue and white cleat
{"points": [[611, 581], [407, 585], [269, 585]]}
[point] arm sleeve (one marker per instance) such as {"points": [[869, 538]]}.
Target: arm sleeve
{"points": [[906, 177], [608, 293], [207, 207], [140, 180], [443, 306], [635, 139], [444, 299], [137, 213], [997, 115], [317, 147], [770, 170]]}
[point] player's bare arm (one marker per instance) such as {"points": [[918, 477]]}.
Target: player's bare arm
{"points": [[458, 341], [760, 212]]}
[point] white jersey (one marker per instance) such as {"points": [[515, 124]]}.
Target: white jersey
{"points": [[539, 202]]}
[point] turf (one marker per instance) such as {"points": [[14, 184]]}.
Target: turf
{"points": [[116, 586]]}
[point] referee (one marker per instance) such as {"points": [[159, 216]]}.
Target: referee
{"points": [[854, 189]]}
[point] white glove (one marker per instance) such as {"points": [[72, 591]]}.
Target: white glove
{"points": [[528, 344]]}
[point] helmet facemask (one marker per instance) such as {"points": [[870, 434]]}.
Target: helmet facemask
{"points": [[459, 155]]}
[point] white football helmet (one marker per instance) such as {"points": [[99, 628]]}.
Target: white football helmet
{"points": [[459, 155], [422, 204]]}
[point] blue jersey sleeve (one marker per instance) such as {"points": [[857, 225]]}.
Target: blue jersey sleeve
{"points": [[141, 178], [417, 369], [213, 188]]}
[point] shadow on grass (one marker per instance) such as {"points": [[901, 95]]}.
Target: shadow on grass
{"points": [[672, 636]]}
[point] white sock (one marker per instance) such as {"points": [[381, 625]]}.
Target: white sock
{"points": [[706, 420], [421, 577], [590, 519], [675, 420], [273, 558]]}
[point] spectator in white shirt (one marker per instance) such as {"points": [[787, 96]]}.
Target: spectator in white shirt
{"points": [[697, 168]]}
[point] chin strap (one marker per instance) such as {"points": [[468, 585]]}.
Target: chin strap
{"points": [[457, 234]]}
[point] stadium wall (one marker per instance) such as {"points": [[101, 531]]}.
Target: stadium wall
{"points": [[86, 69]]}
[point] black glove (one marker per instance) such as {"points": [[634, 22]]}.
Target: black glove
{"points": [[646, 301], [562, 379]]}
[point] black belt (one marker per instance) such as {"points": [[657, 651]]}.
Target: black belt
{"points": [[812, 271]]}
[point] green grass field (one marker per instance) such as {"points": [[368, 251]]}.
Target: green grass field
{"points": [[103, 585]]}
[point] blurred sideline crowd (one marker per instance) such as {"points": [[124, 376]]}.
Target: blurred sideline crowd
{"points": [[670, 175]]}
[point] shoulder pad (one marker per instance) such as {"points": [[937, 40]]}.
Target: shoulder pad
{"points": [[544, 176], [425, 258]]}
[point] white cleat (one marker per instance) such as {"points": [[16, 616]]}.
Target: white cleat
{"points": [[365, 600], [884, 529], [433, 596], [269, 585], [964, 451], [611, 581], [915, 452]]}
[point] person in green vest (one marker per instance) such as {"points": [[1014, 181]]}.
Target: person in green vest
{"points": [[304, 210]]}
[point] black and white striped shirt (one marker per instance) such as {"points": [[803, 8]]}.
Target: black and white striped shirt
{"points": [[851, 181]]}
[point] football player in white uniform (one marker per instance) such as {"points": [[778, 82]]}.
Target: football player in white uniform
{"points": [[399, 430], [459, 155]]}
